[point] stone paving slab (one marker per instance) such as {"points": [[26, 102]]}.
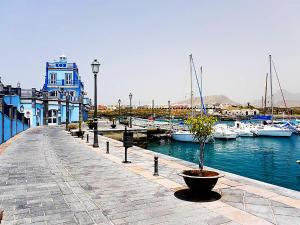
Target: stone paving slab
{"points": [[49, 177]]}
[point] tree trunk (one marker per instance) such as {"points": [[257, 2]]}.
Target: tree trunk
{"points": [[201, 156]]}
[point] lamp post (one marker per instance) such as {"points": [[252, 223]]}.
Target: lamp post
{"points": [[119, 101], [59, 105], [130, 119], [169, 105], [22, 111], [95, 69], [80, 100], [153, 108], [67, 110]]}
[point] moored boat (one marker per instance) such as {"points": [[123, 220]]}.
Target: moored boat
{"points": [[244, 130], [183, 135], [272, 131], [221, 131]]}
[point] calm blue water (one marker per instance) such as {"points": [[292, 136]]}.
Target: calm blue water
{"points": [[272, 160]]}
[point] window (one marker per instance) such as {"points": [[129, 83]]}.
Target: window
{"points": [[68, 78], [54, 93], [52, 78], [72, 93]]}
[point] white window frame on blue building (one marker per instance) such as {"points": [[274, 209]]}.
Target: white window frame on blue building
{"points": [[53, 78], [68, 78]]}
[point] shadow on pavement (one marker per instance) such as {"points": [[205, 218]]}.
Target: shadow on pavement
{"points": [[192, 196]]}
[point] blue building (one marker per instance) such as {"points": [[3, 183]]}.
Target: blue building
{"points": [[63, 75], [12, 118], [62, 96]]}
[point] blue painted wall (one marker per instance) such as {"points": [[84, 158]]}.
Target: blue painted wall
{"points": [[11, 126], [1, 131], [12, 100], [14, 126], [20, 126], [7, 133]]}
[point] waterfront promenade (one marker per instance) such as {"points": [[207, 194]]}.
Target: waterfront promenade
{"points": [[50, 177]]}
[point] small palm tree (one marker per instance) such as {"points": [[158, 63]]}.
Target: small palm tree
{"points": [[201, 128]]}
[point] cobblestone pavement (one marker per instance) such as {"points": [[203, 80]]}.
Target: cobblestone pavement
{"points": [[49, 177]]}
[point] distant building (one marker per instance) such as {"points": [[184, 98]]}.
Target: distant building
{"points": [[240, 112]]}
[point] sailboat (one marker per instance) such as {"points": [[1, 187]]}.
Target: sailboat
{"points": [[269, 129], [218, 132], [186, 135]]}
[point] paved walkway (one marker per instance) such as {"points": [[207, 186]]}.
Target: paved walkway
{"points": [[49, 177]]}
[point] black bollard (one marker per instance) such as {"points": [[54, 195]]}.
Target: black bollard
{"points": [[107, 147], [155, 166], [126, 161], [87, 138], [82, 136]]}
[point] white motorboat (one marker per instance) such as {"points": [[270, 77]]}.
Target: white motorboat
{"points": [[183, 135], [272, 131], [244, 130], [221, 131]]}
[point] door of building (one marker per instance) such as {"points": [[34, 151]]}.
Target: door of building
{"points": [[52, 117]]}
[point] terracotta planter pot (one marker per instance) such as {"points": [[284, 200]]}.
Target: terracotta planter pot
{"points": [[196, 182]]}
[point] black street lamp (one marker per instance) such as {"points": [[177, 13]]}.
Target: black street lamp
{"points": [[153, 108], [169, 105], [60, 92], [95, 68], [80, 101], [67, 110], [130, 119], [119, 101]]}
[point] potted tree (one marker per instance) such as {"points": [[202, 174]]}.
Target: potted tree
{"points": [[113, 123], [201, 180], [80, 132], [90, 124]]}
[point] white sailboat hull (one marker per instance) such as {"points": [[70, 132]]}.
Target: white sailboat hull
{"points": [[274, 132], [183, 136], [224, 135], [245, 132]]}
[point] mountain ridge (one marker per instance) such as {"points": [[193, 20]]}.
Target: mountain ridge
{"points": [[210, 100], [291, 99]]}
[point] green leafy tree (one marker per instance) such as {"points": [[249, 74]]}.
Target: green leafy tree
{"points": [[201, 128]]}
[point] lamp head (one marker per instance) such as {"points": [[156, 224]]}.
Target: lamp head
{"points": [[95, 66]]}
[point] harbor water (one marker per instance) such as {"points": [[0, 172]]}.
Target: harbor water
{"points": [[271, 160]]}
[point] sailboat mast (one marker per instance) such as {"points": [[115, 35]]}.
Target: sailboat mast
{"points": [[191, 73], [266, 90], [271, 86], [201, 90]]}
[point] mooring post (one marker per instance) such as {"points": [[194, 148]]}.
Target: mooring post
{"points": [[107, 147], [125, 161], [155, 166], [87, 138]]}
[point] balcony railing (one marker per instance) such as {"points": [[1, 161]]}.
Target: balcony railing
{"points": [[63, 83]]}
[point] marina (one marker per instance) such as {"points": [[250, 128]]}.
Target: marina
{"points": [[150, 113], [268, 159]]}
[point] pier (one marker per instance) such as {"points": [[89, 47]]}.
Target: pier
{"points": [[50, 177]]}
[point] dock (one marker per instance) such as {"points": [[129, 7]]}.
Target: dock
{"points": [[51, 177]]}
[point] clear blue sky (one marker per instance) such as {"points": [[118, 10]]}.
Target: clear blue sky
{"points": [[143, 46]]}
